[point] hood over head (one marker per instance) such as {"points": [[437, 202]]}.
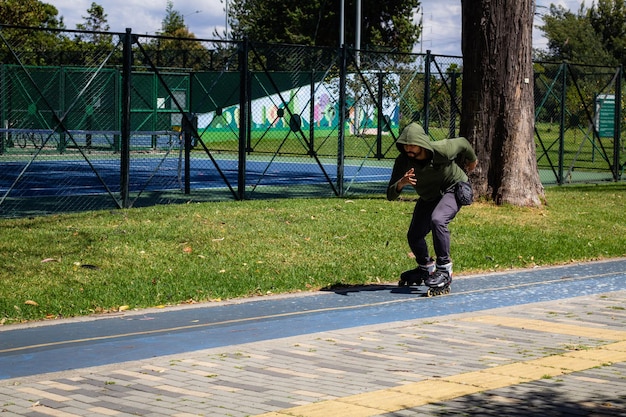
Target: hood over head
{"points": [[413, 134]]}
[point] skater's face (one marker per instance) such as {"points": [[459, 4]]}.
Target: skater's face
{"points": [[417, 152]]}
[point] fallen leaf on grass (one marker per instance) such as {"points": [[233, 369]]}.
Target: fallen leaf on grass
{"points": [[31, 303]]}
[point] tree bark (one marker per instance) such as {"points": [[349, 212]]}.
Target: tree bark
{"points": [[498, 100]]}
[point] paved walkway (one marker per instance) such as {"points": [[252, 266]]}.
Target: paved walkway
{"points": [[552, 358]]}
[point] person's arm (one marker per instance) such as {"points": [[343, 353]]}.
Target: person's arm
{"points": [[399, 179], [407, 179], [465, 155]]}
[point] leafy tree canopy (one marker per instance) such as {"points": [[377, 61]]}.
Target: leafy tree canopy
{"points": [[386, 25], [34, 44], [30, 13], [608, 19], [95, 21], [177, 50], [595, 35], [174, 23]]}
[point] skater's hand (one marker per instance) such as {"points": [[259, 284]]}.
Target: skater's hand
{"points": [[470, 166], [407, 179]]}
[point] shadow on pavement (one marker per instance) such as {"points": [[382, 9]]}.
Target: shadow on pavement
{"points": [[343, 289], [543, 398]]}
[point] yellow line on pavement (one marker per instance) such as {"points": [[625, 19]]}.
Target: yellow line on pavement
{"points": [[446, 388], [550, 327]]}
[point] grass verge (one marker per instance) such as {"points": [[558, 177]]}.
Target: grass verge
{"points": [[98, 262]]}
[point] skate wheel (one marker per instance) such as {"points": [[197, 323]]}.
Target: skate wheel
{"points": [[402, 283], [433, 292]]}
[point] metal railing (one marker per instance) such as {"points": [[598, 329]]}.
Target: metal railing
{"points": [[149, 120]]}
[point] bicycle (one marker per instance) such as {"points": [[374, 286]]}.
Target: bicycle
{"points": [[23, 138]]}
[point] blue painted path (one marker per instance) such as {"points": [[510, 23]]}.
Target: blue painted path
{"points": [[72, 344]]}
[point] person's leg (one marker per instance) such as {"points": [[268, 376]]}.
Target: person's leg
{"points": [[416, 237], [418, 229], [417, 275], [442, 215]]}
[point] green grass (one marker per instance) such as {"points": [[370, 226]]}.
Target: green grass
{"points": [[580, 148], [98, 262], [287, 142]]}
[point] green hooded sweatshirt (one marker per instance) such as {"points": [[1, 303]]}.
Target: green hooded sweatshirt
{"points": [[435, 175]]}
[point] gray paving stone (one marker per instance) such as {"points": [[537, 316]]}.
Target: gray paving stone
{"points": [[254, 378]]}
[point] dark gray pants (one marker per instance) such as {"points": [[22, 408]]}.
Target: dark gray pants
{"points": [[432, 216]]}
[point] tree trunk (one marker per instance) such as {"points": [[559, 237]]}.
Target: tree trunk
{"points": [[498, 100]]}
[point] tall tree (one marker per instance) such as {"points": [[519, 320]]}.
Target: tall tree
{"points": [[96, 19], [608, 18], [384, 24], [572, 37], [34, 44], [177, 48], [30, 13], [95, 22], [174, 22], [498, 102]]}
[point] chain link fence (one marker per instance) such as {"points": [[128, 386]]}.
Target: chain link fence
{"points": [[137, 120], [578, 115]]}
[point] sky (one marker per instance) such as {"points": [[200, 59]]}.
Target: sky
{"points": [[441, 18]]}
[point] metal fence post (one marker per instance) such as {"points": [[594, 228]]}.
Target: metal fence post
{"points": [[426, 112], [244, 85], [560, 179], [190, 125], [4, 138], [341, 131], [62, 107], [312, 115], [453, 112], [617, 133], [380, 117], [117, 121], [125, 128]]}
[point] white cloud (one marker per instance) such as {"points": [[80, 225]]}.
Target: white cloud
{"points": [[441, 18], [441, 27], [202, 17], [442, 24]]}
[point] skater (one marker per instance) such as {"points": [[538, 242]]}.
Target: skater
{"points": [[433, 169]]}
